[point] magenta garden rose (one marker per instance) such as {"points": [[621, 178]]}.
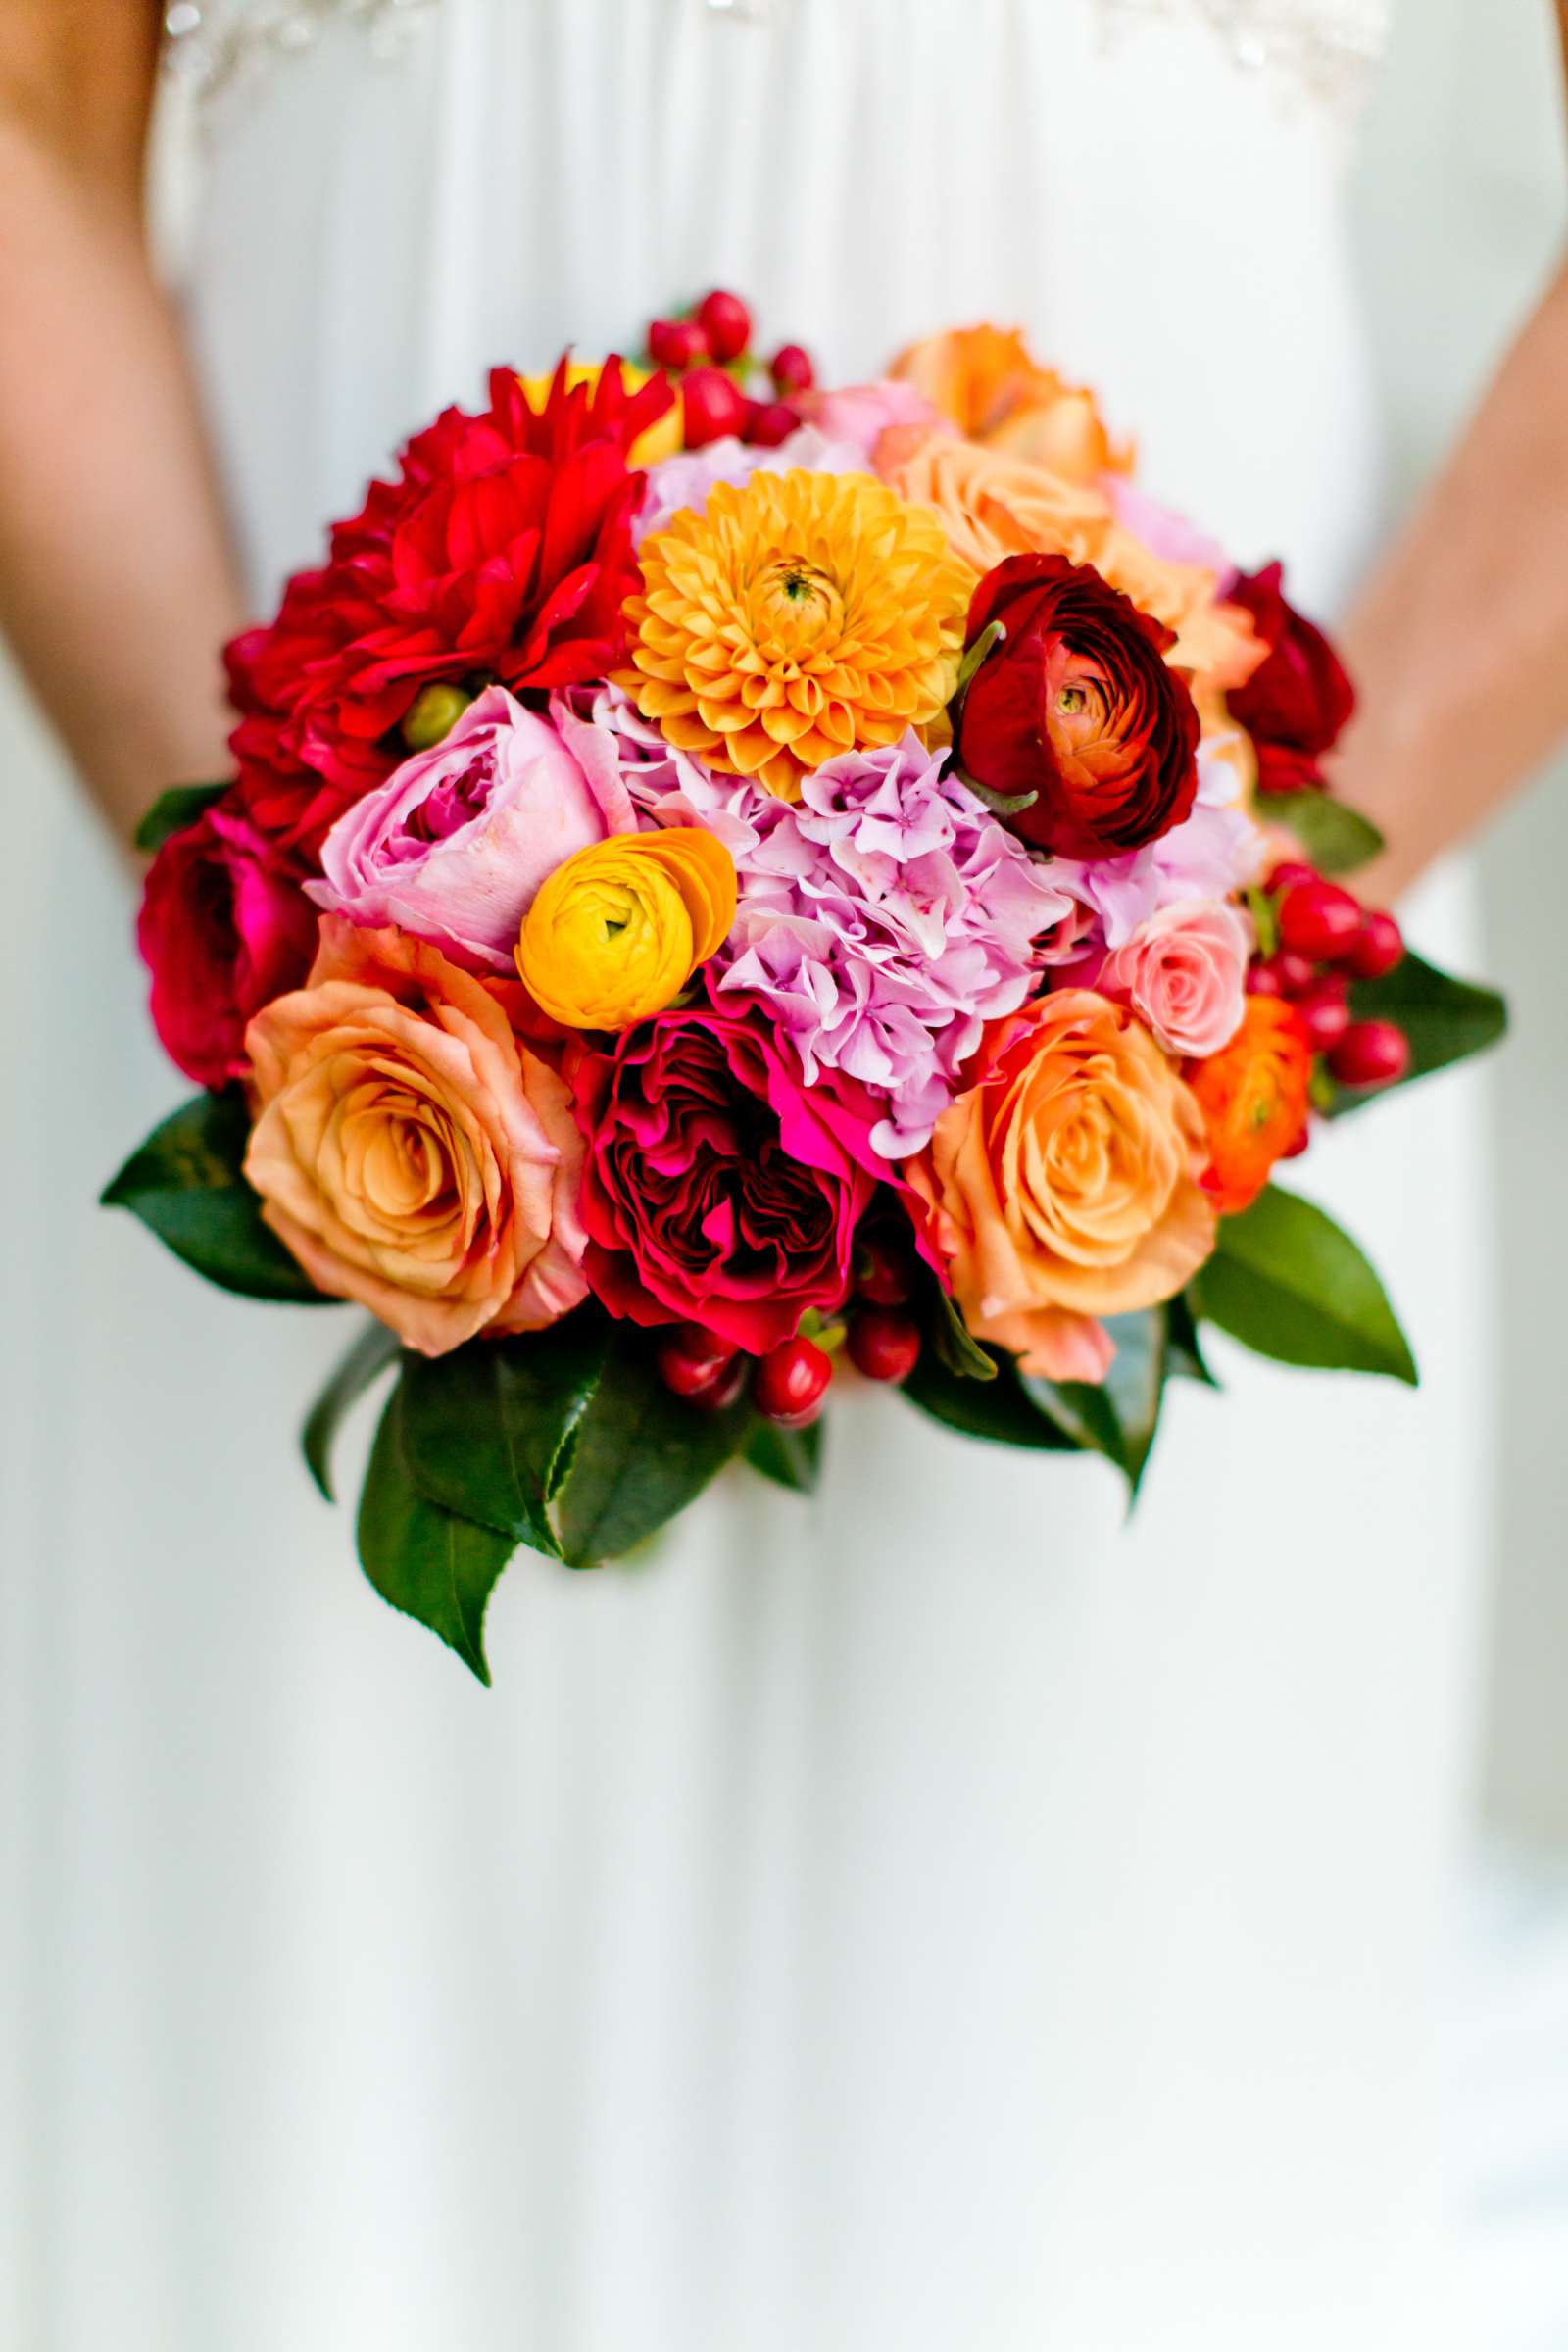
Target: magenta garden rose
{"points": [[455, 843], [224, 929], [718, 1187]]}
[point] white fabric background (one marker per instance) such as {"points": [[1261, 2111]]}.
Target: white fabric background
{"points": [[282, 1887]]}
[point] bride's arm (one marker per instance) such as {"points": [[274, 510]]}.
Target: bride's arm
{"points": [[1460, 644], [115, 580]]}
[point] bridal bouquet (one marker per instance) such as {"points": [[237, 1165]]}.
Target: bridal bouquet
{"points": [[731, 888]]}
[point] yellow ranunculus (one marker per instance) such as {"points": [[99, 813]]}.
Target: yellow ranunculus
{"points": [[662, 439], [618, 930]]}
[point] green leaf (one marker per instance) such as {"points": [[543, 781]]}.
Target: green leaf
{"points": [[1118, 1415], [185, 1184], [488, 1429], [1287, 1282], [790, 1457], [954, 1344], [429, 1563], [1445, 1019], [1000, 1408], [638, 1455], [174, 811], [1335, 837], [1080, 1410], [372, 1353], [1184, 1352]]}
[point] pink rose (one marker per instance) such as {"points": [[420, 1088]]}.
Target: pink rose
{"points": [[1184, 973], [1165, 533], [862, 412], [409, 1150], [224, 926], [455, 843]]}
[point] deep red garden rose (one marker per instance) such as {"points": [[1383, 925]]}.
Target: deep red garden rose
{"points": [[502, 551], [224, 928], [1078, 706], [718, 1188], [1295, 703]]}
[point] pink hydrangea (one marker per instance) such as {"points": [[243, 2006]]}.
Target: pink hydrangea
{"points": [[626, 753], [883, 920]]}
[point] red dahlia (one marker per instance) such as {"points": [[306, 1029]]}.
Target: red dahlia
{"points": [[502, 551]]}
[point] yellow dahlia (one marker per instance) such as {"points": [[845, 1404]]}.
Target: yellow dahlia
{"points": [[803, 614]]}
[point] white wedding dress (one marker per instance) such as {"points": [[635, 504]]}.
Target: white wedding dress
{"points": [[939, 1916]]}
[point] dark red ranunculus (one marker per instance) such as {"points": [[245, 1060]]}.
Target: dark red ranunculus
{"points": [[224, 928], [1077, 706], [503, 550], [718, 1187], [1295, 702]]}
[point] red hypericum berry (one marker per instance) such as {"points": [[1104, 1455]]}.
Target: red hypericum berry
{"points": [[791, 369], [720, 1393], [714, 405], [676, 343], [883, 1275], [770, 422], [726, 323], [790, 1381], [884, 1345], [1295, 973], [1288, 873], [1319, 919], [1262, 980], [1371, 1053], [1379, 946], [1325, 1011], [691, 1359], [1295, 1149]]}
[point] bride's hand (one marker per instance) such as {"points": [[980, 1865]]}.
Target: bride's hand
{"points": [[115, 580]]}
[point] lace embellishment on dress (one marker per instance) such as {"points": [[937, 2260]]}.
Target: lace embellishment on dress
{"points": [[1321, 50], [209, 46]]}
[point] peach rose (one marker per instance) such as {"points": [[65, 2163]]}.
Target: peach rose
{"points": [[1184, 972], [994, 505], [409, 1150], [986, 379], [1064, 1184]]}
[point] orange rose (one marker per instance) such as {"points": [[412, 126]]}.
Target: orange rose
{"points": [[996, 392], [1064, 1184], [994, 505], [409, 1149], [1254, 1097]]}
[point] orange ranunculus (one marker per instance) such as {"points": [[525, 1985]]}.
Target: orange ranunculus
{"points": [[986, 379], [994, 505], [409, 1150], [1063, 1185], [1253, 1097]]}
